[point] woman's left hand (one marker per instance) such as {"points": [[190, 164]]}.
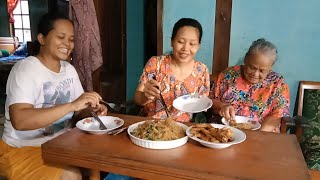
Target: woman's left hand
{"points": [[101, 110]]}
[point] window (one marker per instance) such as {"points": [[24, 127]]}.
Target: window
{"points": [[21, 27]]}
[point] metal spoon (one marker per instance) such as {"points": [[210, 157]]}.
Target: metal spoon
{"points": [[96, 117]]}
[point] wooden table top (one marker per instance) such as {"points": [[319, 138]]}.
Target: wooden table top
{"points": [[261, 156]]}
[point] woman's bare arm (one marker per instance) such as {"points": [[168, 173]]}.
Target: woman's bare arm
{"points": [[24, 116], [270, 123]]}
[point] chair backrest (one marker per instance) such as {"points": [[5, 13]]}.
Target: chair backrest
{"points": [[305, 85], [213, 80], [309, 109]]}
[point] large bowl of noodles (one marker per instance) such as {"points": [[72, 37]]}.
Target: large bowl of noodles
{"points": [[158, 134]]}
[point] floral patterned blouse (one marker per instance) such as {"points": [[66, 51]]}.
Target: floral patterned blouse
{"points": [[171, 88], [258, 101]]}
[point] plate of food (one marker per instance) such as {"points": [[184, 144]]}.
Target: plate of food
{"points": [[242, 122], [158, 134], [216, 136], [192, 103], [91, 125]]}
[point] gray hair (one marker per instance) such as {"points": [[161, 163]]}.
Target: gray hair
{"points": [[263, 46]]}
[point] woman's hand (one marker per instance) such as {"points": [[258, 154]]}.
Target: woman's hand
{"points": [[227, 111], [85, 100], [151, 90], [101, 110]]}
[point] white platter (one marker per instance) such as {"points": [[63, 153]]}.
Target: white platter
{"points": [[156, 144], [192, 104], [239, 136], [90, 125], [242, 119]]}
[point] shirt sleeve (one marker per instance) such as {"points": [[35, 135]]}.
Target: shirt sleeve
{"points": [[21, 86], [206, 82], [281, 103], [149, 70]]}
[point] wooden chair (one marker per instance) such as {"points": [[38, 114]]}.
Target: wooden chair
{"points": [[308, 122]]}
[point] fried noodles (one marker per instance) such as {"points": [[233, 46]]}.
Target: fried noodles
{"points": [[159, 130]]}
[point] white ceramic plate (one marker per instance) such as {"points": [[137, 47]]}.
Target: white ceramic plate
{"points": [[192, 104], [90, 125], [239, 136], [157, 144], [242, 119]]}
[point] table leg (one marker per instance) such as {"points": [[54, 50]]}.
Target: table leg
{"points": [[94, 174]]}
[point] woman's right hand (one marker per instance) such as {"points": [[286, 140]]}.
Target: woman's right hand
{"points": [[85, 100], [151, 90], [227, 111]]}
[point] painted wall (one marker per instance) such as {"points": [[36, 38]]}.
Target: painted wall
{"points": [[4, 19], [203, 11], [36, 10], [135, 44], [292, 25]]}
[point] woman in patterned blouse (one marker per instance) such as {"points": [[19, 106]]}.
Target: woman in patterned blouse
{"points": [[175, 75], [253, 89]]}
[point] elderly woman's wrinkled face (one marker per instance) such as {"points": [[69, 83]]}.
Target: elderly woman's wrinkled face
{"points": [[257, 67], [186, 44]]}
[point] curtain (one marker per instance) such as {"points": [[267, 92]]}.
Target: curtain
{"points": [[87, 56], [12, 4]]}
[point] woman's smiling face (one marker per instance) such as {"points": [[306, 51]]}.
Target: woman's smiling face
{"points": [[185, 44], [59, 41]]}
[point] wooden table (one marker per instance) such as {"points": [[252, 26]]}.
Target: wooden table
{"points": [[261, 156]]}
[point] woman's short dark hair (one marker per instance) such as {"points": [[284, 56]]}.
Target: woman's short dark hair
{"points": [[45, 25], [186, 22]]}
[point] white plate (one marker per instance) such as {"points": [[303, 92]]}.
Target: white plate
{"points": [[239, 136], [157, 144], [90, 125], [191, 104], [242, 119]]}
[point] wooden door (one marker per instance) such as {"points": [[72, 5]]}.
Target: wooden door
{"points": [[112, 23]]}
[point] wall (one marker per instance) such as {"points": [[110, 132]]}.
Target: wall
{"points": [[4, 19], [135, 44], [36, 9], [292, 25], [203, 11]]}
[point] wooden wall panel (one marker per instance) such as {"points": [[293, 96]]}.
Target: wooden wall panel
{"points": [[222, 35]]}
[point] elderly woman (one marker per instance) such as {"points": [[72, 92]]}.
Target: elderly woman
{"points": [[174, 75], [253, 89]]}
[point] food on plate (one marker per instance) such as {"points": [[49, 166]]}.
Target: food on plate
{"points": [[208, 133], [248, 125], [159, 130]]}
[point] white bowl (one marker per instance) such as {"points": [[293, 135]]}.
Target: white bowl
{"points": [[243, 119], [91, 126], [192, 104], [157, 144], [239, 136]]}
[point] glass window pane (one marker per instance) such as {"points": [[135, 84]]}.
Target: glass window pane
{"points": [[17, 10], [17, 21], [26, 21], [27, 35], [18, 33], [24, 7]]}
